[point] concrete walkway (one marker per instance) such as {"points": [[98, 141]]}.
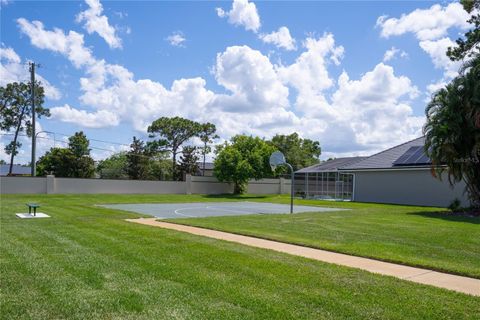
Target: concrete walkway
{"points": [[438, 279]]}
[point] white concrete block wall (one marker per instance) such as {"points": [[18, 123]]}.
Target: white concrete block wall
{"points": [[23, 185], [209, 185], [193, 185], [264, 186], [73, 185]]}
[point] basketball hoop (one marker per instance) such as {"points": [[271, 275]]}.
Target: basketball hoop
{"points": [[278, 159]]}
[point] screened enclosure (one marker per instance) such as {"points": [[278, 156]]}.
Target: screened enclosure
{"points": [[324, 181]]}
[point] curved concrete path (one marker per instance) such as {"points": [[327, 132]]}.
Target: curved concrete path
{"points": [[438, 279]]}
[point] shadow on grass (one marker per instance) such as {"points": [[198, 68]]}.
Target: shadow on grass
{"points": [[446, 215]]}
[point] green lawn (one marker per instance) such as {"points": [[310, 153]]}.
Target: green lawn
{"points": [[417, 236], [86, 262]]}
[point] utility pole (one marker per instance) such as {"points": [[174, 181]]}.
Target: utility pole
{"points": [[32, 84]]}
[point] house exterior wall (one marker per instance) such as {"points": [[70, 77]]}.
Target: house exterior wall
{"points": [[410, 187]]}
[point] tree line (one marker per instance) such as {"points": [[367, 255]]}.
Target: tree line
{"points": [[237, 161]]}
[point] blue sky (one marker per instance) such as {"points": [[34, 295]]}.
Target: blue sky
{"points": [[354, 75]]}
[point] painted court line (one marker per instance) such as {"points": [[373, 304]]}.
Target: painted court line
{"points": [[424, 276], [182, 214], [229, 210]]}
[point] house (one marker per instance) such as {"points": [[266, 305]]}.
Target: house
{"points": [[208, 169], [399, 175], [17, 170]]}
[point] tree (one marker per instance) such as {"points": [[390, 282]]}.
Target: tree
{"points": [[452, 130], [470, 45], [57, 161], [172, 133], [113, 167], [16, 112], [83, 165], [189, 160], [78, 144], [207, 135], [161, 169], [300, 153], [137, 160], [244, 158], [74, 161], [142, 164]]}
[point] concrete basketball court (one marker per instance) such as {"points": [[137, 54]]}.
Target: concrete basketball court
{"points": [[212, 209]]}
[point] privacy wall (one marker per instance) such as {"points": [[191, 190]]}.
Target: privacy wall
{"points": [[192, 185]]}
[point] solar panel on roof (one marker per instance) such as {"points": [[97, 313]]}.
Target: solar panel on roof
{"points": [[424, 159], [417, 155], [406, 155], [413, 156]]}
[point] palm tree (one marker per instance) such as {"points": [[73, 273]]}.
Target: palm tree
{"points": [[452, 130]]}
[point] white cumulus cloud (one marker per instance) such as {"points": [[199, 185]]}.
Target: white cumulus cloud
{"points": [[9, 54], [430, 26], [309, 74], [70, 45], [98, 119], [176, 39], [280, 38], [251, 78], [243, 13], [364, 115], [426, 24], [346, 115], [437, 49], [13, 70], [95, 21], [392, 53]]}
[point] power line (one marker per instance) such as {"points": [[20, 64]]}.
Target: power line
{"points": [[103, 141], [69, 135], [90, 147], [69, 143], [55, 140], [102, 149]]}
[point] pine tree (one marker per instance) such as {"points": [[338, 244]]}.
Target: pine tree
{"points": [[189, 160], [137, 160]]}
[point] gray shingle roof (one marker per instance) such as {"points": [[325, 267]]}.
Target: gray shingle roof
{"points": [[385, 159], [331, 165]]}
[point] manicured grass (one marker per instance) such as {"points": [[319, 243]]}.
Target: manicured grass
{"points": [[86, 262], [417, 236]]}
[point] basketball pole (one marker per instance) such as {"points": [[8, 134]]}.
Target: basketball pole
{"points": [[292, 183]]}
